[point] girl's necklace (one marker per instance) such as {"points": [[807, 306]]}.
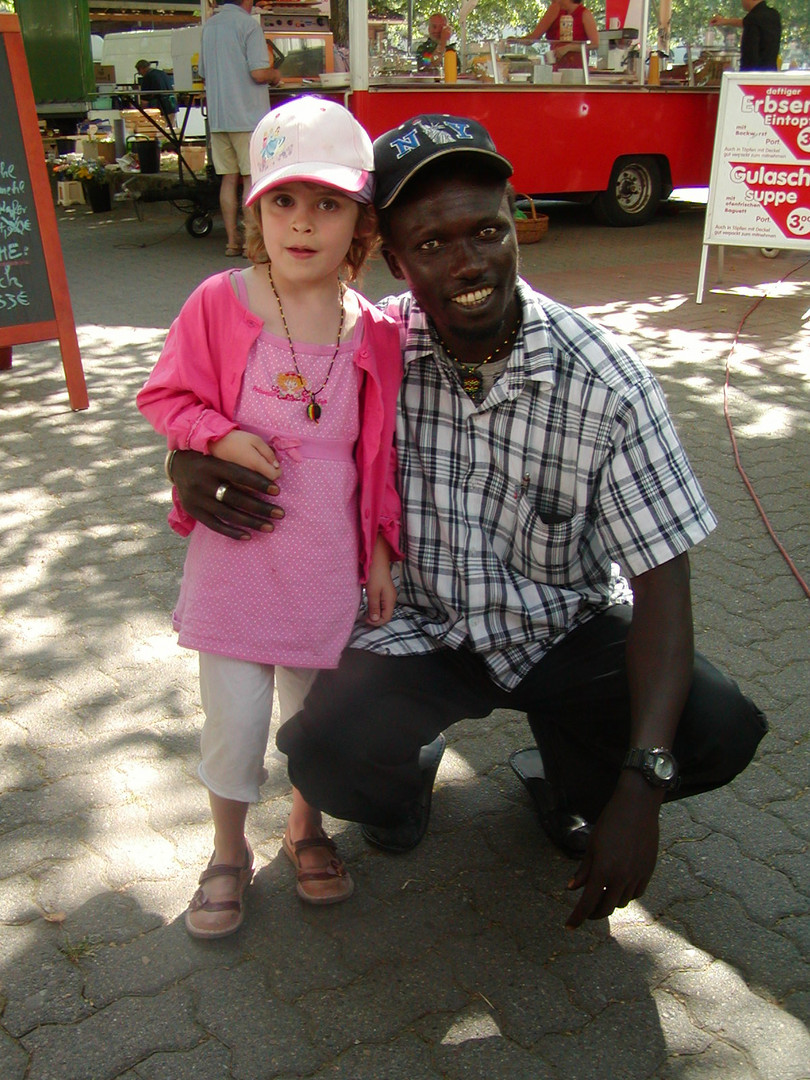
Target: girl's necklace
{"points": [[313, 408]]}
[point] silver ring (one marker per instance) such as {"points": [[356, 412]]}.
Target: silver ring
{"points": [[220, 492]]}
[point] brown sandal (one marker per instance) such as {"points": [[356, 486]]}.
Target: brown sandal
{"points": [[231, 922], [329, 885]]}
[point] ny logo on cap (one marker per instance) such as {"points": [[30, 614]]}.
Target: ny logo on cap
{"points": [[447, 131]]}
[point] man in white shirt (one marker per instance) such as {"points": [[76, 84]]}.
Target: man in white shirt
{"points": [[236, 67]]}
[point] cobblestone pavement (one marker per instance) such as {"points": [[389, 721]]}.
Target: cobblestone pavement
{"points": [[450, 962]]}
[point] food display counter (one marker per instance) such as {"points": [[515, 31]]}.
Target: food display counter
{"points": [[602, 135]]}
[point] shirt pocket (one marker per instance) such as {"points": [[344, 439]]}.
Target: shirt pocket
{"points": [[545, 546]]}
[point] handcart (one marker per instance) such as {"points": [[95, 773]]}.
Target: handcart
{"points": [[192, 195]]}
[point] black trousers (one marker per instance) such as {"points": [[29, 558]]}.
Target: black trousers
{"points": [[353, 750]]}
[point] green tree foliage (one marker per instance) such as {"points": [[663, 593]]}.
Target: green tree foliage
{"points": [[491, 19], [690, 18]]}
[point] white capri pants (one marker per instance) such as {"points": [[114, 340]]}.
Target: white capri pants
{"points": [[237, 699]]}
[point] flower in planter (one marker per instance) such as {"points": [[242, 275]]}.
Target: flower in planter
{"points": [[93, 171], [74, 167]]}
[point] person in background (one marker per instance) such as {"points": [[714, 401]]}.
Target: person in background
{"points": [[761, 35], [283, 362], [430, 54], [155, 78], [565, 25], [236, 67]]}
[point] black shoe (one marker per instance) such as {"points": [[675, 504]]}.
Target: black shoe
{"points": [[569, 832], [408, 833]]}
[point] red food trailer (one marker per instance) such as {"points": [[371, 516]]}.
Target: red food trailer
{"points": [[623, 148]]}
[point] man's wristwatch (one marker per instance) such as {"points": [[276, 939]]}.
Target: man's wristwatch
{"points": [[657, 765]]}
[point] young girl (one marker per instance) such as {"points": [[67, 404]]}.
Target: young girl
{"points": [[283, 369]]}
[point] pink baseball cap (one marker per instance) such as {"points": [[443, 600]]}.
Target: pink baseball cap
{"points": [[311, 138]]}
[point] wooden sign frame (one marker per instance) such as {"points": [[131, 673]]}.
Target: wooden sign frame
{"points": [[61, 326]]}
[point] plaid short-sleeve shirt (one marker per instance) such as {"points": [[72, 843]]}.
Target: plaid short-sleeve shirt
{"points": [[516, 511]]}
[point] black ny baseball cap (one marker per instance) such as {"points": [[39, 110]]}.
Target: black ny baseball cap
{"points": [[401, 153]]}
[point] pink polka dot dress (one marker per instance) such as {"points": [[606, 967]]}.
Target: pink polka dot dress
{"points": [[288, 597]]}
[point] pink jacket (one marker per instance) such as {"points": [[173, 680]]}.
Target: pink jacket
{"points": [[207, 349]]}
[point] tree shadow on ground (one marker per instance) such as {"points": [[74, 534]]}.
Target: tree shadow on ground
{"points": [[453, 959]]}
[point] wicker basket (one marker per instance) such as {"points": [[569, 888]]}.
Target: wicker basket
{"points": [[529, 230]]}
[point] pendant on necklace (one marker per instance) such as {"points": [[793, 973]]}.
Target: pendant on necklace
{"points": [[471, 382], [297, 379]]}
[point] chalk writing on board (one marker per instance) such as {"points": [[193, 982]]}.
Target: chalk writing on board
{"points": [[25, 292], [15, 228]]}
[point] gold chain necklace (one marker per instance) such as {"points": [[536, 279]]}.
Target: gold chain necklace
{"points": [[313, 408], [510, 340]]}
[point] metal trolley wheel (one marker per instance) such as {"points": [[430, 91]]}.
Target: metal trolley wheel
{"points": [[199, 224], [633, 194]]}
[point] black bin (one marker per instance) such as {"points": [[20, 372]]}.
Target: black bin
{"points": [[148, 151]]}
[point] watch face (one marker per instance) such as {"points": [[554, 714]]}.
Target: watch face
{"points": [[663, 766]]}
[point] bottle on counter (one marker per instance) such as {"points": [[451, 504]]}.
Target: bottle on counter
{"points": [[450, 65]]}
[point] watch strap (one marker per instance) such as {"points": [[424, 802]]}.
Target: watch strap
{"points": [[634, 758]]}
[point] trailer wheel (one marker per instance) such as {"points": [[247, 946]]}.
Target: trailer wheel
{"points": [[199, 224], [633, 194]]}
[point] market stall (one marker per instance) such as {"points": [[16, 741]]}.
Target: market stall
{"points": [[620, 132], [608, 135]]}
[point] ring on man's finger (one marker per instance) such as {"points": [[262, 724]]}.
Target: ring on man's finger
{"points": [[220, 492]]}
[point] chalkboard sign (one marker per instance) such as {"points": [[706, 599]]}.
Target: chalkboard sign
{"points": [[24, 293], [34, 298]]}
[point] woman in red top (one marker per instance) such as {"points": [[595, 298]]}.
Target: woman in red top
{"points": [[565, 24]]}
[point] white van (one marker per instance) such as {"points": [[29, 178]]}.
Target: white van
{"points": [[125, 48], [176, 51]]}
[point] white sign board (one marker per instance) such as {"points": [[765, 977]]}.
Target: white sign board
{"points": [[759, 191]]}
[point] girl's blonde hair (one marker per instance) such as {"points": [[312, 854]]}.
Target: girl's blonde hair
{"points": [[364, 241]]}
